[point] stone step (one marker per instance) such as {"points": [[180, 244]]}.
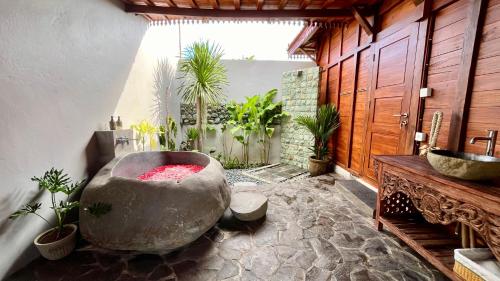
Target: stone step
{"points": [[248, 206]]}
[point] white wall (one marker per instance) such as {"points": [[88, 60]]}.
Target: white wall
{"points": [[247, 78], [65, 67]]}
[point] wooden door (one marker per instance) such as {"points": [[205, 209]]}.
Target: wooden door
{"points": [[390, 96]]}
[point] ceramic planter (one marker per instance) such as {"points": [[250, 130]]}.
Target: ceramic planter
{"points": [[318, 167], [57, 249]]}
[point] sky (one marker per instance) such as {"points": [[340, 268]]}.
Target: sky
{"points": [[263, 41]]}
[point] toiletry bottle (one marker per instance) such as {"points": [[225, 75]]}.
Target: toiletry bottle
{"points": [[119, 123], [112, 124]]}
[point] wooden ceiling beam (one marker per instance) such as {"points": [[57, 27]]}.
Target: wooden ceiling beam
{"points": [[282, 4], [170, 3], [363, 22], [209, 13], [193, 4], [260, 3], [304, 4], [215, 4]]}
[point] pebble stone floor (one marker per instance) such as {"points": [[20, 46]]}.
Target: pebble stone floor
{"points": [[236, 175], [313, 231]]}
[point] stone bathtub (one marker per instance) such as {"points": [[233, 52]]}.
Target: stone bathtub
{"points": [[153, 215]]}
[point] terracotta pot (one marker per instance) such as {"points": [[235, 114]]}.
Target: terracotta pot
{"points": [[59, 248], [318, 167]]}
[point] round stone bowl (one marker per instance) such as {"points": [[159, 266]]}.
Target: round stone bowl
{"points": [[465, 166], [153, 215]]}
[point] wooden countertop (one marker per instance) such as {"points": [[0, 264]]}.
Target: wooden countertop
{"points": [[419, 165]]}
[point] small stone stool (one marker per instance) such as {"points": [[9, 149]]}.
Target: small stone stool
{"points": [[248, 206]]}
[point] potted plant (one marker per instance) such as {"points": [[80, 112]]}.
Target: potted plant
{"points": [[60, 240], [321, 127]]}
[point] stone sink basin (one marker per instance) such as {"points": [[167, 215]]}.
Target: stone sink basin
{"points": [[153, 215], [465, 166]]}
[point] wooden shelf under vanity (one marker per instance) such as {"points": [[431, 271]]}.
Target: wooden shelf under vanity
{"points": [[418, 205], [429, 240]]}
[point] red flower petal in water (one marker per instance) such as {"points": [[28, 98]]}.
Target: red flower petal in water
{"points": [[170, 172]]}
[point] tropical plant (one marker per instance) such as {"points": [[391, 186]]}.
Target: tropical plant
{"points": [[168, 133], [171, 133], [203, 78], [265, 115], [192, 135], [143, 129], [53, 181], [256, 115], [242, 126], [321, 127], [227, 149]]}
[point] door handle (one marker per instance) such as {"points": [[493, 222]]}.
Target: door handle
{"points": [[404, 119], [404, 114]]}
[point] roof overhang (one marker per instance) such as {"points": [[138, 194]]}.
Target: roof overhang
{"points": [[311, 11]]}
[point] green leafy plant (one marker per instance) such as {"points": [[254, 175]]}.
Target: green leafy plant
{"points": [[143, 129], [203, 78], [167, 134], [257, 115], [242, 126], [192, 135], [321, 127], [227, 148], [266, 114], [53, 181]]}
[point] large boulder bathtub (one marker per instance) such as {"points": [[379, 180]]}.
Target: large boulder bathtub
{"points": [[153, 215]]}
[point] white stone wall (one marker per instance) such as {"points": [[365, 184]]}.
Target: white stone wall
{"points": [[65, 67], [300, 97]]}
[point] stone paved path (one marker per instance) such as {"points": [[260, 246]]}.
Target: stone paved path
{"points": [[313, 231]]}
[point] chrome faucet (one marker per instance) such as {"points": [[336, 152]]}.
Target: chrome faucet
{"points": [[122, 140], [492, 140]]}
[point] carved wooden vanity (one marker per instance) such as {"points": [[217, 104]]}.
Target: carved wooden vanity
{"points": [[414, 202]]}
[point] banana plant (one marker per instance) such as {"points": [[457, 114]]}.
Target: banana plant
{"points": [[143, 129], [266, 113], [242, 124]]}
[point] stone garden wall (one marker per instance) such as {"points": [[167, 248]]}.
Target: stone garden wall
{"points": [[216, 114], [300, 97]]}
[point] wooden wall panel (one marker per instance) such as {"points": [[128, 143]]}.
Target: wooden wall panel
{"points": [[349, 37], [344, 107], [400, 13], [360, 111], [445, 60], [350, 65], [333, 73], [335, 43], [484, 110]]}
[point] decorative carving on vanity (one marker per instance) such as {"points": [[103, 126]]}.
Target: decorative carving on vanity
{"points": [[436, 207]]}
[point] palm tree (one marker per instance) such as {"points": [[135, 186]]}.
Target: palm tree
{"points": [[321, 127], [203, 78]]}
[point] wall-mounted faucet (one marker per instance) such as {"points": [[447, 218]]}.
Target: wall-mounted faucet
{"points": [[492, 140], [122, 140]]}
